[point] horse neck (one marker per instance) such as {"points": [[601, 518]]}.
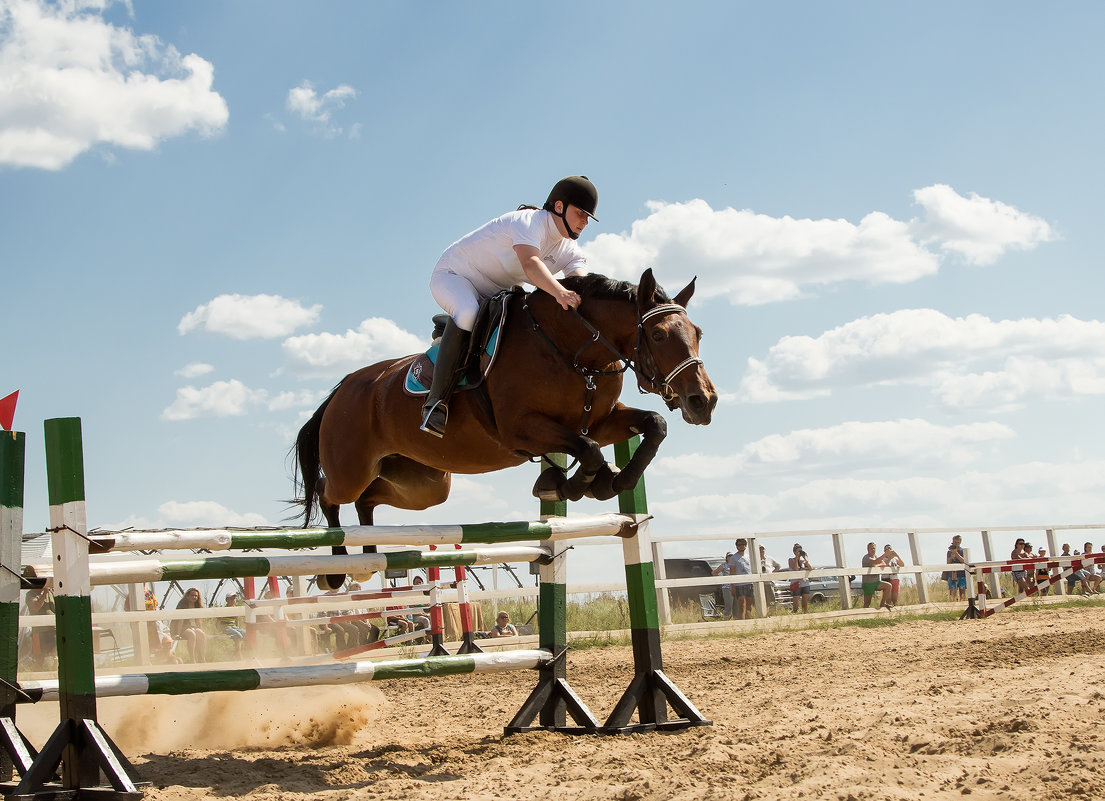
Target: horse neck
{"points": [[616, 320]]}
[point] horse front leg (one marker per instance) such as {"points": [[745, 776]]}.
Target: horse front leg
{"points": [[621, 424], [545, 436]]}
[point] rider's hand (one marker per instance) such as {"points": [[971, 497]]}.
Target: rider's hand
{"points": [[569, 300]]}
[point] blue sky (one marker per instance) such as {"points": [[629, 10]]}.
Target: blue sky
{"points": [[210, 212]]}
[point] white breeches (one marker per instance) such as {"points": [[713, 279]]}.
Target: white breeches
{"points": [[458, 295]]}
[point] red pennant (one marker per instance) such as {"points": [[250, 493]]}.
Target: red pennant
{"points": [[7, 410]]}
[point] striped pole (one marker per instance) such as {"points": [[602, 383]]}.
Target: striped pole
{"points": [[15, 751], [650, 691], [1066, 569], [467, 635], [189, 682], [553, 699], [551, 530], [437, 614], [134, 571], [81, 748]]}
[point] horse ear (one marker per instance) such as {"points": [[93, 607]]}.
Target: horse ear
{"points": [[685, 295], [646, 291]]}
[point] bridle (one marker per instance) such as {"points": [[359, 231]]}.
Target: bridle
{"points": [[643, 364]]}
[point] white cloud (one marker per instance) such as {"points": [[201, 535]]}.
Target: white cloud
{"points": [[856, 444], [977, 228], [752, 258], [308, 105], [964, 361], [304, 399], [221, 399], [326, 354], [205, 514], [250, 316], [73, 81], [1024, 494], [194, 370]]}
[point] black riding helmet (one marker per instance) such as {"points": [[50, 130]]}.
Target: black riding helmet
{"points": [[578, 191]]}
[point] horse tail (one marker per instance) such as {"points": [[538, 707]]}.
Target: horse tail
{"points": [[306, 470]]}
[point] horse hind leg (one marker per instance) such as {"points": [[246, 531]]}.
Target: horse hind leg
{"points": [[331, 511]]}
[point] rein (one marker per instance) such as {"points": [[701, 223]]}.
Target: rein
{"points": [[645, 367]]}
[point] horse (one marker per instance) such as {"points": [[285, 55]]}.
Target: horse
{"points": [[554, 388]]}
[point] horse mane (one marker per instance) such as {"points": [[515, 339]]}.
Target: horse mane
{"points": [[599, 287]]}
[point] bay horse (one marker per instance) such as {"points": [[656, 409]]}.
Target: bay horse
{"points": [[554, 389]]}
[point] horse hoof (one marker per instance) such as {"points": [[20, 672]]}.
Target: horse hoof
{"points": [[548, 486], [602, 487], [362, 578], [330, 582]]}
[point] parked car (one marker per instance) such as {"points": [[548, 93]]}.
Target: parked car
{"points": [[822, 589], [700, 567]]}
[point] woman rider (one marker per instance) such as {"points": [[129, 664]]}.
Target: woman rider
{"points": [[529, 245]]}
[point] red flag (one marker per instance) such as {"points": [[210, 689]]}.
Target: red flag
{"points": [[7, 410]]}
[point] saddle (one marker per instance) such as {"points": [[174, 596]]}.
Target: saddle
{"points": [[482, 348]]}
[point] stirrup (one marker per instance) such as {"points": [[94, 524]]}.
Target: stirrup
{"points": [[435, 419]]}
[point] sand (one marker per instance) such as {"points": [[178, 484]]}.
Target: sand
{"points": [[1006, 708]]}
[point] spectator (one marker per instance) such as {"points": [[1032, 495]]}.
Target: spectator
{"points": [[742, 593], [1094, 572], [1043, 578], [767, 564], [231, 627], [343, 631], [892, 578], [366, 632], [1029, 571], [873, 583], [1079, 578], [189, 629], [957, 581], [421, 621], [1019, 578], [726, 589], [799, 588], [503, 627], [43, 638]]}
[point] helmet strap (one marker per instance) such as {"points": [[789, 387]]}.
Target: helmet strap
{"points": [[563, 215]]}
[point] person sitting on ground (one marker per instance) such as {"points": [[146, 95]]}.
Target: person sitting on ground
{"points": [[1079, 579], [873, 583], [892, 578], [503, 627], [231, 626], [957, 580], [366, 632], [799, 588], [41, 602], [190, 630]]}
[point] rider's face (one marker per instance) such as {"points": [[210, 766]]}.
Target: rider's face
{"points": [[577, 217]]}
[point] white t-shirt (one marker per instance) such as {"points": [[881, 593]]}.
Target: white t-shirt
{"points": [[486, 256]]}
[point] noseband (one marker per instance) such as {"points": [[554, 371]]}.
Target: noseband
{"points": [[647, 369]]}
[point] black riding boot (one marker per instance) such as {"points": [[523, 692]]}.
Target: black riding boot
{"points": [[450, 358]]}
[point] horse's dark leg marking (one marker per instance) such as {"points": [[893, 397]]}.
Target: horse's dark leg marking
{"points": [[619, 426]]}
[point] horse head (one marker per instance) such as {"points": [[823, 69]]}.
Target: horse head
{"points": [[667, 352]]}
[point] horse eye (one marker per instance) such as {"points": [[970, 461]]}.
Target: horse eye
{"points": [[658, 335]]}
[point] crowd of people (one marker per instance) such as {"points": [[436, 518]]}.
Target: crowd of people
{"points": [[886, 586]]}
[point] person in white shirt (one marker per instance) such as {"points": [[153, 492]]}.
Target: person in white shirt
{"points": [[529, 245]]}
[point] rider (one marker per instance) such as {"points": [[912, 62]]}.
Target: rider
{"points": [[529, 245]]}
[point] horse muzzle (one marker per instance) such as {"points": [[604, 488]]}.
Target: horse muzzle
{"points": [[698, 407]]}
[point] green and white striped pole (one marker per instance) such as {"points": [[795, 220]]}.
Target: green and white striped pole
{"points": [[78, 745], [553, 699], [558, 528], [12, 452], [651, 690], [188, 682], [137, 571]]}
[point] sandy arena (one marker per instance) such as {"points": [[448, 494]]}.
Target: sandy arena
{"points": [[1006, 708]]}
